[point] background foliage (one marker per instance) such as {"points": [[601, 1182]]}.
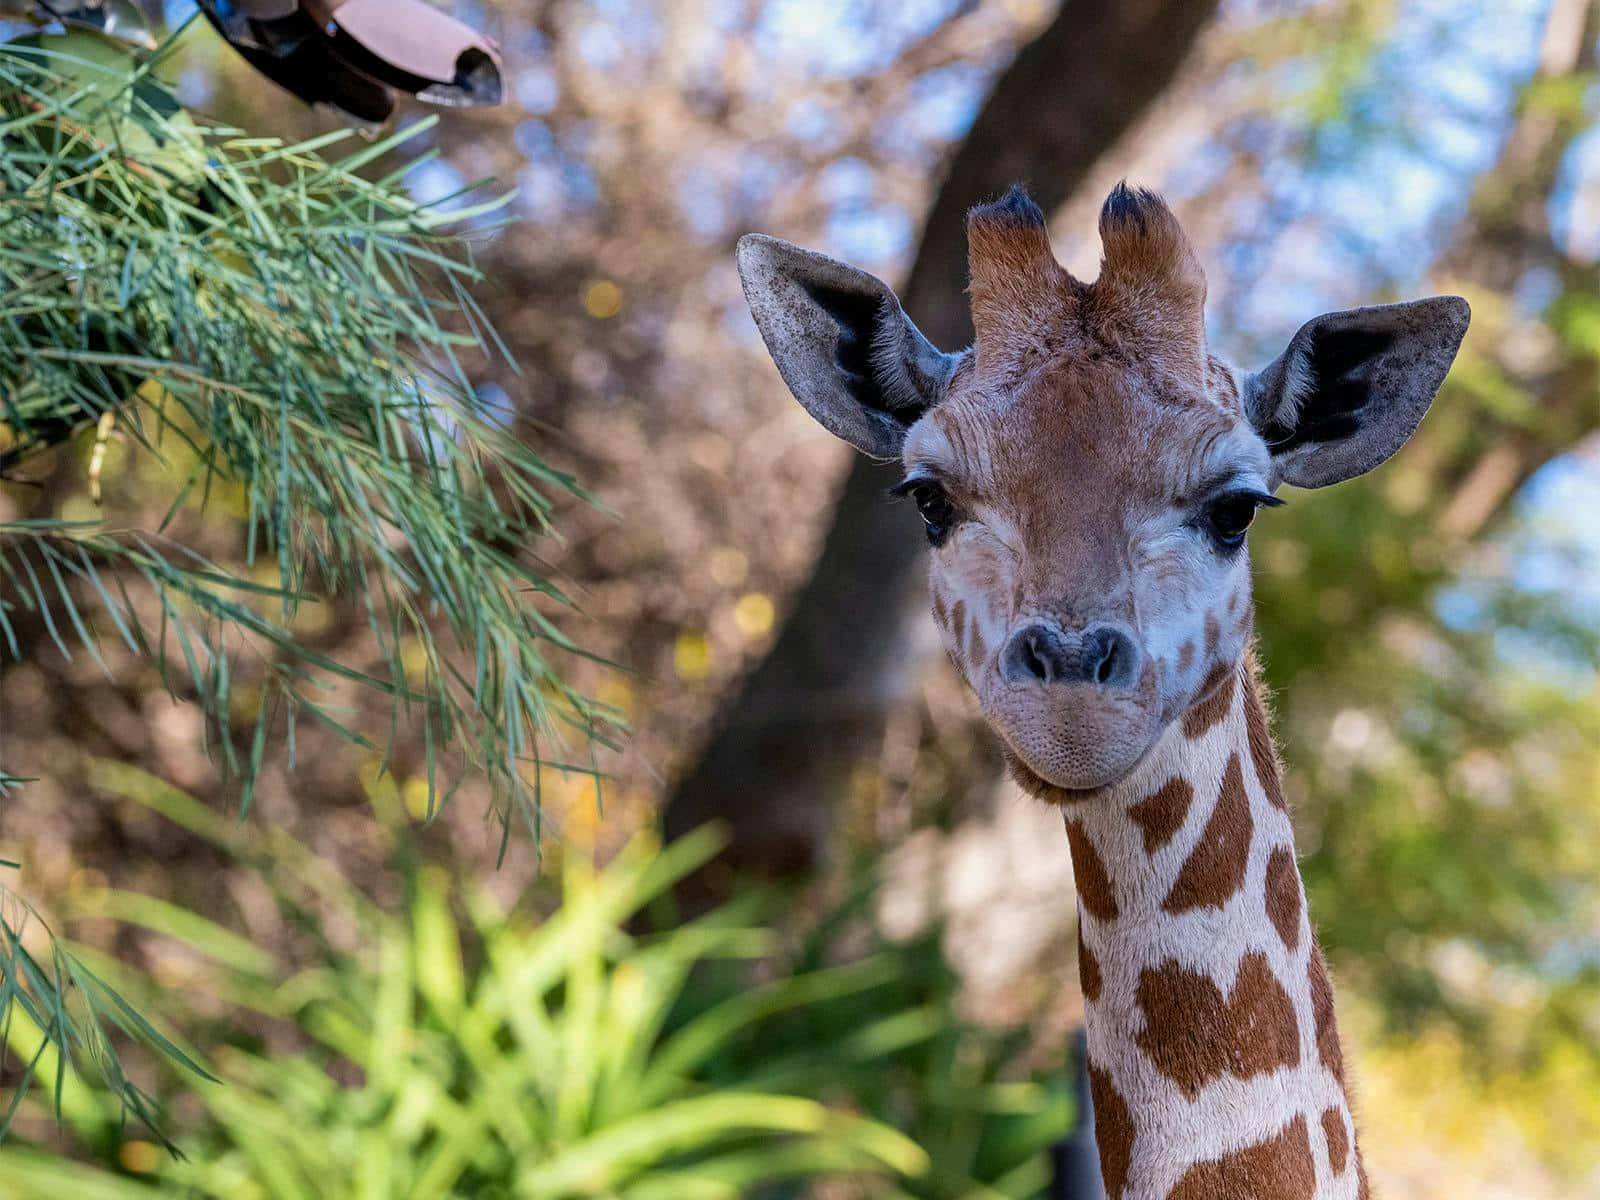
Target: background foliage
{"points": [[489, 1055]]}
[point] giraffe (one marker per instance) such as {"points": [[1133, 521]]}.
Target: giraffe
{"points": [[1086, 473]]}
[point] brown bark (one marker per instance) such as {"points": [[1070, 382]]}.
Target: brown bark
{"points": [[784, 748]]}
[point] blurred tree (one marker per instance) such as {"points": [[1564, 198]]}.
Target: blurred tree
{"points": [[1412, 853], [817, 704]]}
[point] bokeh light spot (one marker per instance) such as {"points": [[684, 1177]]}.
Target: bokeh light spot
{"points": [[415, 796], [617, 695], [139, 1157], [754, 615], [602, 299], [691, 657]]}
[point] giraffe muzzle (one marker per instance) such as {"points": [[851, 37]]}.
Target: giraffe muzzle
{"points": [[1078, 709]]}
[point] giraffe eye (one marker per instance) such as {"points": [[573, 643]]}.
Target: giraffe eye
{"points": [[1229, 516], [938, 513]]}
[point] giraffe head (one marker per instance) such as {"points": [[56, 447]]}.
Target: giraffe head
{"points": [[1087, 469]]}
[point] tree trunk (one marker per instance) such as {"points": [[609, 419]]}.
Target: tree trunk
{"points": [[815, 708]]}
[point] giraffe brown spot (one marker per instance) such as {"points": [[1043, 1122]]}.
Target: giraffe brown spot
{"points": [[941, 615], [1088, 969], [1213, 635], [1280, 1168], [958, 620], [1161, 814], [1113, 1131], [1338, 1141], [1262, 755], [1185, 656], [1214, 870], [1144, 693], [1362, 1190], [1283, 897], [1242, 625], [1193, 1035], [1218, 692], [977, 648], [1094, 885], [1328, 1049]]}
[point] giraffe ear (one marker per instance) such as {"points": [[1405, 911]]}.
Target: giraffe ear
{"points": [[842, 343], [1353, 386]]}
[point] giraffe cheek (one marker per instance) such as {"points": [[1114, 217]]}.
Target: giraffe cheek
{"points": [[947, 613], [963, 611]]}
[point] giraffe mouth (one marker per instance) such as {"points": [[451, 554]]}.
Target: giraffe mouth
{"points": [[1074, 739], [1074, 781]]}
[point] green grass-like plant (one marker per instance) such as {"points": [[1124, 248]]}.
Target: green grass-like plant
{"points": [[465, 1049], [563, 1058]]}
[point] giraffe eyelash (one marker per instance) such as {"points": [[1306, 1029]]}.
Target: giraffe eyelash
{"points": [[910, 484], [1263, 499], [1224, 488]]}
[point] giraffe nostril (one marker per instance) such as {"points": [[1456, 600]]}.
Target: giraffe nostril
{"points": [[1037, 663], [1112, 655], [1038, 653], [1107, 649]]}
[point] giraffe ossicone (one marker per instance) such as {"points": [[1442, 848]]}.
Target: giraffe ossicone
{"points": [[1086, 472]]}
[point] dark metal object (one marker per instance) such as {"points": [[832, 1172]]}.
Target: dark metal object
{"points": [[355, 54]]}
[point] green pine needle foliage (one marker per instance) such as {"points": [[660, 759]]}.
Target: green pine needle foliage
{"points": [[270, 321], [277, 328]]}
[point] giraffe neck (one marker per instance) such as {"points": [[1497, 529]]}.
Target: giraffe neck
{"points": [[1214, 1062]]}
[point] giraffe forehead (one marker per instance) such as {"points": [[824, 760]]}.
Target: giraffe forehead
{"points": [[1086, 429]]}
